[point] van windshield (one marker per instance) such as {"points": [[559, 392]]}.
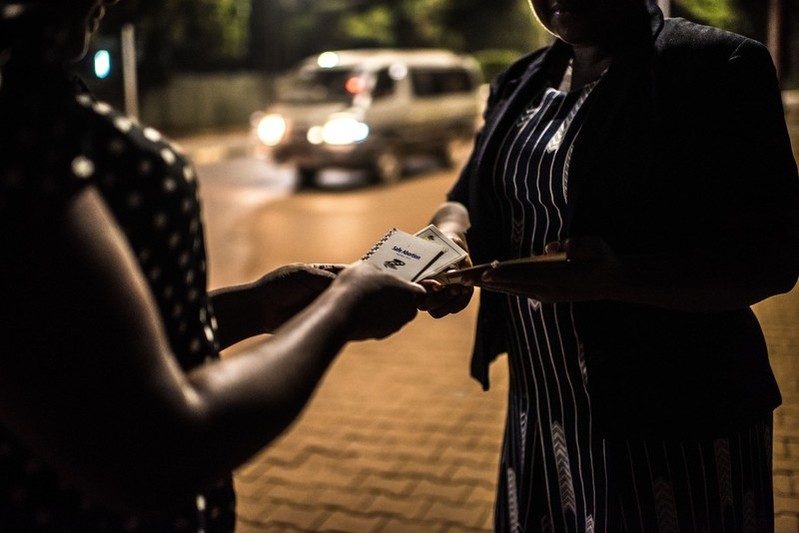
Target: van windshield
{"points": [[318, 86]]}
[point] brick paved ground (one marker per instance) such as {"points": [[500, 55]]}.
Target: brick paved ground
{"points": [[780, 319], [398, 438]]}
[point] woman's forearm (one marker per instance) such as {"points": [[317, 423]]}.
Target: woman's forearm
{"points": [[724, 275], [271, 382], [238, 312], [681, 283], [262, 306]]}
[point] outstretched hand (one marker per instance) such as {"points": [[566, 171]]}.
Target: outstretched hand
{"points": [[289, 289], [378, 303]]}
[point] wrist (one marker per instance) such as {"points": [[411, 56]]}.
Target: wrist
{"points": [[259, 306], [338, 304]]}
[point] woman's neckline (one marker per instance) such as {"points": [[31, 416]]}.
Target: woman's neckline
{"points": [[566, 86]]}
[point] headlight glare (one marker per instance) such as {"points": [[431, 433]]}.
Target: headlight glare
{"points": [[344, 130], [271, 129]]}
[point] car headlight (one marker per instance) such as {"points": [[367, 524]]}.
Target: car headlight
{"points": [[271, 129], [344, 130]]}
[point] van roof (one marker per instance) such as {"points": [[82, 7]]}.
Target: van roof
{"points": [[371, 58]]}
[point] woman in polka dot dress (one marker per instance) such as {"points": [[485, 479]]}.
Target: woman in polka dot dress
{"points": [[116, 413]]}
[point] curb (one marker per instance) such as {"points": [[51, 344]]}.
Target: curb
{"points": [[210, 148]]}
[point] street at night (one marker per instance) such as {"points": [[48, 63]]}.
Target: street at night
{"points": [[208, 206]]}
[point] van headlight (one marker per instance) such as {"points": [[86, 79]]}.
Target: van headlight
{"points": [[271, 129], [344, 130]]}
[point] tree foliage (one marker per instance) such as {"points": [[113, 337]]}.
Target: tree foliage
{"points": [[720, 13], [273, 34], [290, 29], [743, 16], [187, 34]]}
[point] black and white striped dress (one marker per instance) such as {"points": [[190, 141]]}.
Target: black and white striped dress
{"points": [[556, 475]]}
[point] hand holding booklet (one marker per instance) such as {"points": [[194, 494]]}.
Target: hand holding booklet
{"points": [[428, 254]]}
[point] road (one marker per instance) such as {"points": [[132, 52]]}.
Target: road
{"points": [[398, 438], [254, 220]]}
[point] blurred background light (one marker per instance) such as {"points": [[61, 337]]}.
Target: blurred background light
{"points": [[102, 64]]}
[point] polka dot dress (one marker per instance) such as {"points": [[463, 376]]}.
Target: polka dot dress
{"points": [[152, 192]]}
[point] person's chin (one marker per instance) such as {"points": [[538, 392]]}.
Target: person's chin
{"points": [[574, 34]]}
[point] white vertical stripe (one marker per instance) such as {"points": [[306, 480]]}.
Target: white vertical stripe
{"points": [[635, 486], [543, 180], [544, 419], [543, 369], [513, 503], [568, 498], [576, 410], [606, 492], [523, 336]]}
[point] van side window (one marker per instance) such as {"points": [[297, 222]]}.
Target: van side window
{"points": [[316, 85], [428, 82], [384, 85]]}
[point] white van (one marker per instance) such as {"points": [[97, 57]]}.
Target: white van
{"points": [[370, 109]]}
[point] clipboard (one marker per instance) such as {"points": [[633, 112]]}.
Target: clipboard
{"points": [[458, 276]]}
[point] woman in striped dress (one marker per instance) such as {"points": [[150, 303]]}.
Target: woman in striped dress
{"points": [[640, 392]]}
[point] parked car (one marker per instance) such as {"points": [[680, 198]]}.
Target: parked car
{"points": [[370, 109]]}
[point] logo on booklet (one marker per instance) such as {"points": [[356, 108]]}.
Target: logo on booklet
{"points": [[394, 264]]}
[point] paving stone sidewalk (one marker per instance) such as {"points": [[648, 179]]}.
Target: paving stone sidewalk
{"points": [[780, 319], [399, 439]]}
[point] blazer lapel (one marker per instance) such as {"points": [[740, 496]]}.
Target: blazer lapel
{"points": [[516, 93]]}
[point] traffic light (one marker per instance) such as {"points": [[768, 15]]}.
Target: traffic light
{"points": [[102, 64]]}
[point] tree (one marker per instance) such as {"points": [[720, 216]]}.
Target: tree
{"points": [[720, 13], [743, 16], [184, 34], [771, 22], [286, 30]]}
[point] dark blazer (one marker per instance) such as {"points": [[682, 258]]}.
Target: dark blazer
{"points": [[684, 143]]}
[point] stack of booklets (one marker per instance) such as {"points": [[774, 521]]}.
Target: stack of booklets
{"points": [[415, 257]]}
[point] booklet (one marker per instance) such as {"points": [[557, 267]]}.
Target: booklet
{"points": [[403, 255], [414, 257]]}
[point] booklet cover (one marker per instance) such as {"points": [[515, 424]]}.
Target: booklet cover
{"points": [[404, 255], [453, 254]]}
